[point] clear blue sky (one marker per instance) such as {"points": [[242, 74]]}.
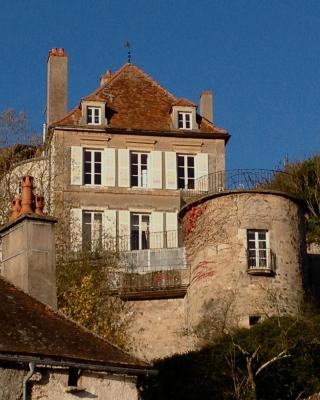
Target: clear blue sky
{"points": [[260, 57]]}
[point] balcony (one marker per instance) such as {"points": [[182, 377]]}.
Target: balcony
{"points": [[236, 180], [157, 272], [261, 262]]}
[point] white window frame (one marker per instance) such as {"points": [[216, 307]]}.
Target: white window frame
{"points": [[93, 167], [184, 120], [93, 115], [95, 241], [258, 249], [142, 240], [142, 174], [186, 178]]}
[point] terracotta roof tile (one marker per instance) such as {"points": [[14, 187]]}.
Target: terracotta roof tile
{"points": [[30, 328], [134, 100], [184, 102]]}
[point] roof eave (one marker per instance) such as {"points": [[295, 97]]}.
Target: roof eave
{"points": [[45, 361]]}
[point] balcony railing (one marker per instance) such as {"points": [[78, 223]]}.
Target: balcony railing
{"points": [[233, 180], [261, 261]]}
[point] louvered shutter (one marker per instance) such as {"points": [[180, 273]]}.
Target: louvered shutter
{"points": [[109, 167], [124, 168], [76, 165], [110, 229], [76, 229], [172, 229], [155, 170], [124, 230], [156, 230], [201, 166], [171, 169]]}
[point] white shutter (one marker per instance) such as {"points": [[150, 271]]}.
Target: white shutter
{"points": [[109, 227], [76, 165], [76, 229], [124, 230], [201, 171], [156, 230], [109, 167], [172, 229], [171, 169], [123, 168], [155, 169]]}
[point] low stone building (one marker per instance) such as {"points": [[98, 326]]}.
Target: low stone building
{"points": [[43, 354]]}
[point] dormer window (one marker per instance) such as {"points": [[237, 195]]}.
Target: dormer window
{"points": [[183, 115], [184, 120], [93, 115]]}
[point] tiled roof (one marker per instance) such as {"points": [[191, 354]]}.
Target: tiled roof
{"points": [[134, 100], [31, 329]]}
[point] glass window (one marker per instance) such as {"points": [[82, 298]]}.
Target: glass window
{"points": [[184, 120], [91, 230], [139, 231], [139, 169], [93, 115], [186, 171], [258, 251], [92, 167]]}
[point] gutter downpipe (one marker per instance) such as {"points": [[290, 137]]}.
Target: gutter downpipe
{"points": [[32, 366]]}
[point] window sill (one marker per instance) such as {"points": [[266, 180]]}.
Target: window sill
{"points": [[260, 271]]}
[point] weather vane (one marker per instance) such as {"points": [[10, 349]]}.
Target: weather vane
{"points": [[129, 51]]}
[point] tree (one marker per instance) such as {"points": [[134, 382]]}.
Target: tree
{"points": [[303, 180], [278, 358], [87, 285]]}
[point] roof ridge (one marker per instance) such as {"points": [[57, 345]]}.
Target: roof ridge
{"points": [[119, 71]]}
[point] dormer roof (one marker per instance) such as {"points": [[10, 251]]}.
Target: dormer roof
{"points": [[136, 101]]}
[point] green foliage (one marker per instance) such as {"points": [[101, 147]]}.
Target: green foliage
{"points": [[84, 293], [285, 355]]}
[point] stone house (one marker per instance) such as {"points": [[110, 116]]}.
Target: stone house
{"points": [[137, 170], [43, 354]]}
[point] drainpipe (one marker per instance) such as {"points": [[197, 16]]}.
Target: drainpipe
{"points": [[32, 366]]}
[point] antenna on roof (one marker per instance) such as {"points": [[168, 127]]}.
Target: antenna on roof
{"points": [[129, 51]]}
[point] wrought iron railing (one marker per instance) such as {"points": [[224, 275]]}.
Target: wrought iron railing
{"points": [[261, 261], [233, 180]]}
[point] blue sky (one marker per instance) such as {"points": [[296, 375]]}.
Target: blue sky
{"points": [[260, 57]]}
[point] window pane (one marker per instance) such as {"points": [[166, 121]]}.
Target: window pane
{"points": [[190, 161], [97, 156], [97, 168], [134, 180], [87, 156], [144, 158], [97, 179], [134, 158], [181, 184], [134, 219], [262, 235], [190, 172], [87, 179], [180, 161], [134, 169], [190, 184], [87, 168]]}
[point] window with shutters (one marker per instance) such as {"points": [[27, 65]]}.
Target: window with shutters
{"points": [[93, 115], [259, 254], [139, 169], [184, 120], [91, 230], [185, 171], [139, 231], [92, 167]]}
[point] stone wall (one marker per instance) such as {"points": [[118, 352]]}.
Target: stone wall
{"points": [[216, 241], [158, 329]]}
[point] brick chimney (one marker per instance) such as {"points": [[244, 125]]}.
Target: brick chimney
{"points": [[28, 247], [57, 85], [206, 105]]}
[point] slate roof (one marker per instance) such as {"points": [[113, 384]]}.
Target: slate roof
{"points": [[30, 330], [134, 100]]}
